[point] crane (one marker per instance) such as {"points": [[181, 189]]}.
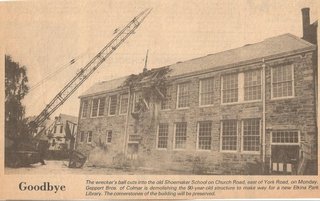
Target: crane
{"points": [[88, 69]]}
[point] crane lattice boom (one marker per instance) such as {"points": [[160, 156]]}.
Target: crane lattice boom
{"points": [[86, 71]]}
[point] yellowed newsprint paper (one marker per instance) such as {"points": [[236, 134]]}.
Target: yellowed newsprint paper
{"points": [[140, 99]]}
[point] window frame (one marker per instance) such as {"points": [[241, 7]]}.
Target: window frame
{"points": [[157, 142], [82, 109], [242, 136], [286, 143], [244, 94], [98, 107], [178, 97], [109, 105], [167, 91], [222, 90], [174, 137], [120, 105], [82, 136], [201, 93], [61, 128], [134, 101], [198, 132], [241, 87], [293, 88], [107, 137], [221, 136], [88, 137]]}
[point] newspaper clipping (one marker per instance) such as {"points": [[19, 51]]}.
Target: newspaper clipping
{"points": [[159, 99]]}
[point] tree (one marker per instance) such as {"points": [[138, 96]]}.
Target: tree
{"points": [[16, 89]]}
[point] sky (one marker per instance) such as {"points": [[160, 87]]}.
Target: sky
{"points": [[45, 36]]}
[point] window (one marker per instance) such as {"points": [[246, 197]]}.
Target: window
{"points": [[252, 85], [285, 137], [163, 131], [89, 137], [282, 81], [85, 105], [97, 107], [251, 135], [206, 91], [138, 99], [180, 135], [81, 136], [183, 95], [229, 135], [109, 137], [204, 135], [165, 103], [113, 105], [94, 110], [55, 129], [124, 99], [102, 102], [230, 88], [61, 128]]}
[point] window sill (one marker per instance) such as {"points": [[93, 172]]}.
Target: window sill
{"points": [[204, 106], [175, 149], [183, 108], [250, 152], [165, 110], [203, 150], [242, 102], [282, 98], [162, 149], [229, 151]]}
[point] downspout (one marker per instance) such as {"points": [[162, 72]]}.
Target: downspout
{"points": [[263, 116], [126, 125]]}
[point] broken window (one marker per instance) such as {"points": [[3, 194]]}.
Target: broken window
{"points": [[113, 105], [230, 88], [252, 85], [165, 102], [137, 101], [163, 131], [183, 95], [124, 99], [206, 91], [89, 137], [282, 81], [251, 135], [180, 135], [85, 105], [229, 135], [109, 137], [204, 135]]}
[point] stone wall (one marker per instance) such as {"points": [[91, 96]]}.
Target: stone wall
{"points": [[294, 113]]}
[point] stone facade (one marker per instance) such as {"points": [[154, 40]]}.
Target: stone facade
{"points": [[294, 113]]}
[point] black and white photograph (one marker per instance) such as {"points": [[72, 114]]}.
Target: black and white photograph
{"points": [[160, 88]]}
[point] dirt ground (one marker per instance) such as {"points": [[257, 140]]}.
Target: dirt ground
{"points": [[61, 167]]}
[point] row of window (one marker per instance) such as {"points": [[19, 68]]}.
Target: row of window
{"points": [[236, 87], [89, 137], [246, 139], [250, 135]]}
